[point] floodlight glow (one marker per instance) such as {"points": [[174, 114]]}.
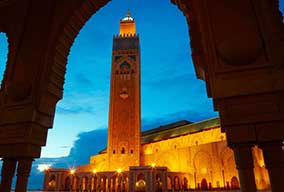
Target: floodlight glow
{"points": [[72, 171], [43, 167]]}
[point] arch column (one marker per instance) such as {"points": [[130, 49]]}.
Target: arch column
{"points": [[99, 183], [95, 183], [274, 161], [244, 163], [249, 99], [131, 180], [8, 170], [23, 172], [164, 181], [109, 183]]}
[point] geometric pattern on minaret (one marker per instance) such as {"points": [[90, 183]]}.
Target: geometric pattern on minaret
{"points": [[124, 132]]}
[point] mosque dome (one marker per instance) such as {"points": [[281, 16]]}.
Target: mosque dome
{"points": [[127, 17]]}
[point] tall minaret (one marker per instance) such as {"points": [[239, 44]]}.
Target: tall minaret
{"points": [[124, 112]]}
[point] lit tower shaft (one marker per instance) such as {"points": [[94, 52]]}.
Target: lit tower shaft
{"points": [[124, 112]]}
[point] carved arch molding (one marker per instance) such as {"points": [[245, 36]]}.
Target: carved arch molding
{"points": [[68, 33]]}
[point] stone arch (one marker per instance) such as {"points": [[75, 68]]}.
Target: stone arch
{"points": [[158, 183], [66, 35], [60, 49], [122, 150], [169, 182], [185, 183], [124, 67], [70, 29], [140, 176], [228, 164], [235, 183], [202, 162], [52, 182], [140, 184], [204, 184], [187, 15], [176, 184]]}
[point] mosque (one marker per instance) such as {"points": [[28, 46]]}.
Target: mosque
{"points": [[181, 156]]}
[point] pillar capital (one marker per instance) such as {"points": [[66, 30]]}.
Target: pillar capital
{"points": [[243, 155]]}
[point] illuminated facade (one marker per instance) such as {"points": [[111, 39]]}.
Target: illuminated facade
{"points": [[179, 156]]}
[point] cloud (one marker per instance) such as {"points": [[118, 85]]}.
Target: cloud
{"points": [[83, 80], [87, 144], [75, 110], [77, 102]]}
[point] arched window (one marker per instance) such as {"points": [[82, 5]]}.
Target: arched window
{"points": [[113, 151], [235, 183], [124, 67], [204, 185], [176, 183], [131, 151], [123, 150], [67, 184], [52, 183], [140, 186]]}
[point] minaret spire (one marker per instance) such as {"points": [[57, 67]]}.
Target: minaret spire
{"points": [[127, 25], [128, 13]]}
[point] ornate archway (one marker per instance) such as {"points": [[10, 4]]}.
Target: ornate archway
{"points": [[242, 65], [235, 183], [67, 184], [140, 184], [52, 183], [204, 185]]}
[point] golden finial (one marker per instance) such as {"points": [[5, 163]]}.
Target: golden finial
{"points": [[128, 13]]}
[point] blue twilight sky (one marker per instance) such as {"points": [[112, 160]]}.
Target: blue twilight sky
{"points": [[170, 90], [169, 87]]}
